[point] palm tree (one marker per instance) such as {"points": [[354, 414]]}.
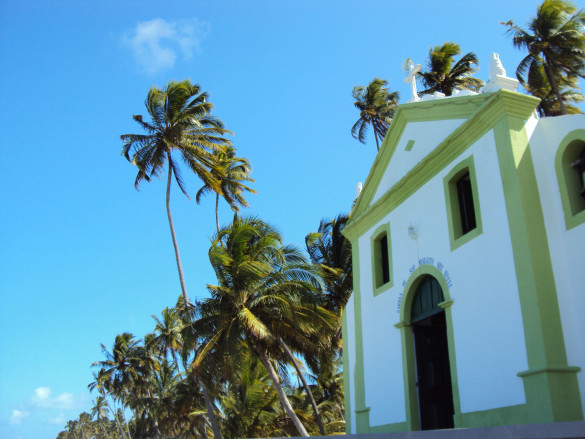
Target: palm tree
{"points": [[101, 383], [537, 85], [123, 366], [261, 296], [230, 171], [129, 368], [555, 40], [330, 251], [181, 123], [377, 106], [168, 334], [100, 412], [442, 76]]}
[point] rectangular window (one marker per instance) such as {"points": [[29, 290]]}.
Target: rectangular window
{"points": [[579, 166], [383, 243], [381, 248], [462, 200], [466, 209]]}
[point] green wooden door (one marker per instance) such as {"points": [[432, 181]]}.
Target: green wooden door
{"points": [[435, 393]]}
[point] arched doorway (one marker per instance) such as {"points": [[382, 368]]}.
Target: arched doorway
{"points": [[433, 373]]}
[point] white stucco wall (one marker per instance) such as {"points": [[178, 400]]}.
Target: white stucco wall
{"points": [[426, 137], [487, 321], [383, 382], [567, 247]]}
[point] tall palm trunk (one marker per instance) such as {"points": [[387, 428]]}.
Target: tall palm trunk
{"points": [[126, 424], [206, 398], [278, 387], [211, 419], [305, 385], [209, 407], [553, 83], [376, 137], [175, 245], [208, 404], [114, 414], [217, 211]]}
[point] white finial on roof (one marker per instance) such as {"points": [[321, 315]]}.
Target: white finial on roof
{"points": [[498, 79], [496, 67], [412, 71]]}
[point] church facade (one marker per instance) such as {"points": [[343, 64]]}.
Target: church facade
{"points": [[468, 244]]}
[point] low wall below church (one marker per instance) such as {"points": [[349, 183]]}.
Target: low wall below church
{"points": [[560, 430]]}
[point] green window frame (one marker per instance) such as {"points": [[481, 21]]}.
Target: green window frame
{"points": [[381, 246], [462, 202], [570, 184]]}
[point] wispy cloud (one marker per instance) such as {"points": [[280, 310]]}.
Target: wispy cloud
{"points": [[157, 43], [58, 420], [66, 401], [17, 416]]}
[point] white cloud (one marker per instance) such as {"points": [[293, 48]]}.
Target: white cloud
{"points": [[65, 401], [42, 393], [156, 43], [58, 420], [17, 417]]}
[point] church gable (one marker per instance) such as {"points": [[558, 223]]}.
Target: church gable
{"points": [[417, 141], [416, 130], [401, 166]]}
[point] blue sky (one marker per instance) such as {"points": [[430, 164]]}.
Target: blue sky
{"points": [[83, 255]]}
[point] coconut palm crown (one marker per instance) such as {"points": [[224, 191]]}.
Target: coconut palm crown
{"points": [[555, 41], [181, 124], [445, 77], [538, 86], [230, 172], [377, 106]]}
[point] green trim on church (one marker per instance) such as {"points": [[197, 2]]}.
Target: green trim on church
{"points": [[551, 396], [378, 261], [346, 386], [569, 184], [456, 237]]}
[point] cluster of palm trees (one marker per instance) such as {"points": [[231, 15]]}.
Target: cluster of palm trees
{"points": [[222, 366], [555, 42]]}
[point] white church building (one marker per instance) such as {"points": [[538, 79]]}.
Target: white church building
{"points": [[468, 243]]}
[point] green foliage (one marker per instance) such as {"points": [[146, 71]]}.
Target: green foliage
{"points": [[555, 41], [85, 427], [330, 252], [537, 85], [230, 172], [267, 293], [377, 106], [444, 77], [181, 122], [250, 404]]}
